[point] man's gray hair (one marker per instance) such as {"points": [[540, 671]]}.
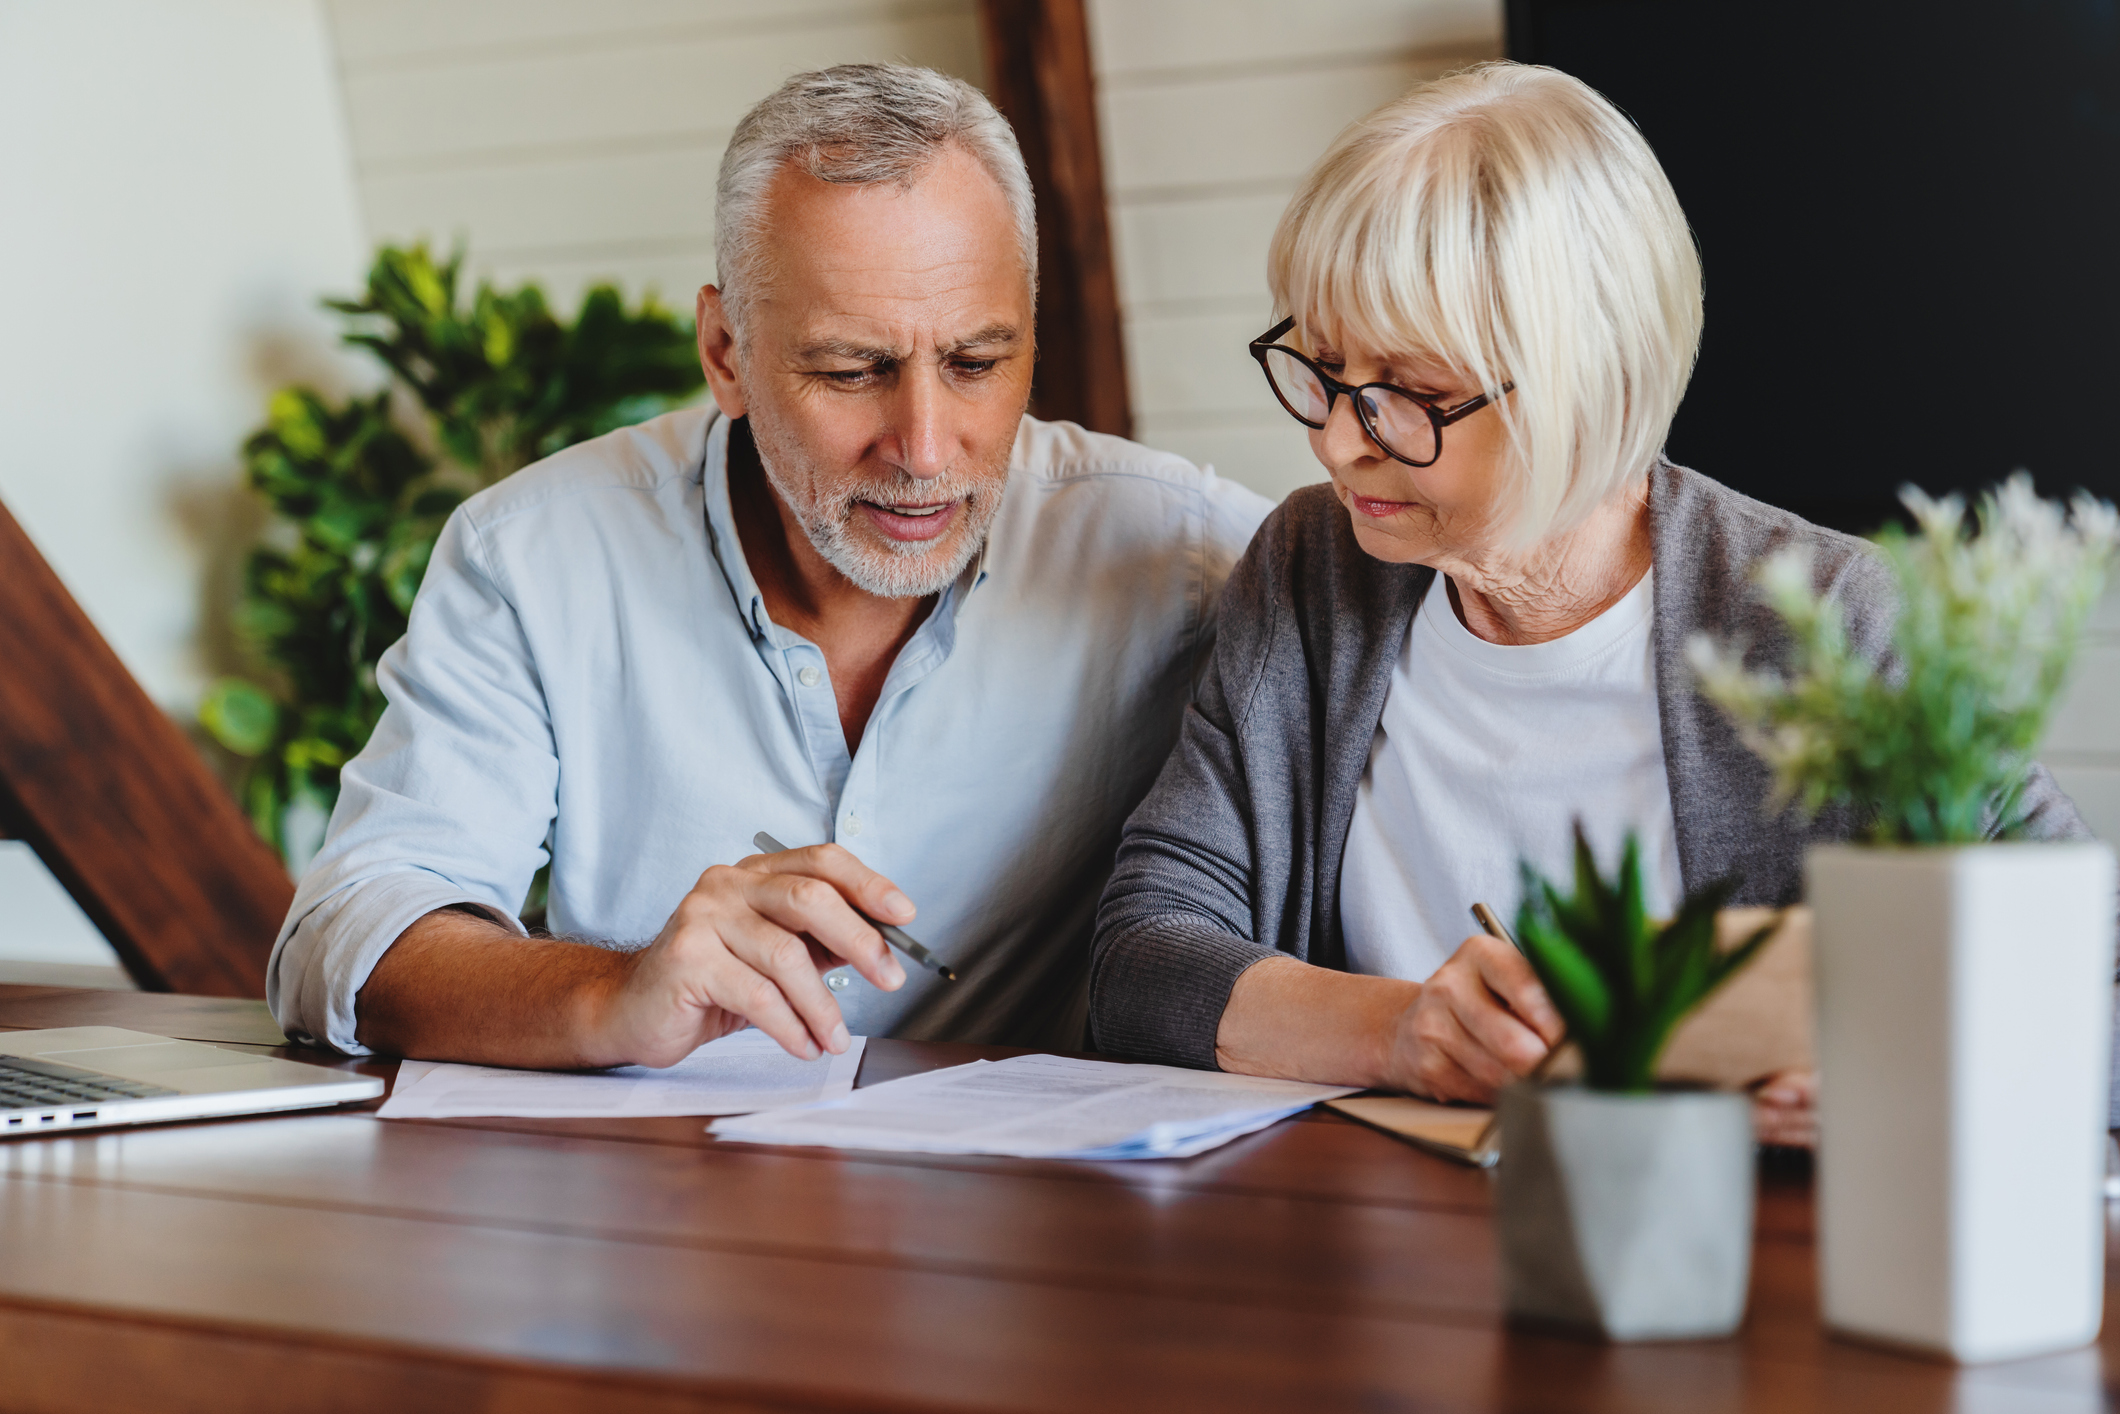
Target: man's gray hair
{"points": [[863, 125]]}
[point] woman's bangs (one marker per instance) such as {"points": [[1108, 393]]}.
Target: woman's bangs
{"points": [[1360, 276]]}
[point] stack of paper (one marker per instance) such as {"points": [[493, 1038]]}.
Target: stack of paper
{"points": [[735, 1075], [1041, 1107]]}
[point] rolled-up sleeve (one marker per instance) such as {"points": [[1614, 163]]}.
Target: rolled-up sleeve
{"points": [[451, 802]]}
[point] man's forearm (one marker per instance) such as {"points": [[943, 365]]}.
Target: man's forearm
{"points": [[1288, 1019], [458, 986]]}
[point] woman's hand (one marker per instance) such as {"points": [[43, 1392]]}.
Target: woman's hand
{"points": [[1480, 1022], [1785, 1109]]}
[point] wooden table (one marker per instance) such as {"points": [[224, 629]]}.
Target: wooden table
{"points": [[333, 1261]]}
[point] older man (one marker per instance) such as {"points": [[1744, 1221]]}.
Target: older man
{"points": [[869, 607]]}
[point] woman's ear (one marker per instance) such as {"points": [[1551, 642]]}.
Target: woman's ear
{"points": [[717, 352]]}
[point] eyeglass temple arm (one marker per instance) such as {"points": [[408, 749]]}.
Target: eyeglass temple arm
{"points": [[1472, 405], [1274, 333]]}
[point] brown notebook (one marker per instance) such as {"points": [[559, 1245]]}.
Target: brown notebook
{"points": [[1757, 1024]]}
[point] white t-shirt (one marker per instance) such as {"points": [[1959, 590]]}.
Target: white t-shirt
{"points": [[1486, 754]]}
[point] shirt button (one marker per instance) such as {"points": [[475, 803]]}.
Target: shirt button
{"points": [[837, 981], [853, 824], [809, 677]]}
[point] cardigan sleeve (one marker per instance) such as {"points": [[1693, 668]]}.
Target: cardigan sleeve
{"points": [[1176, 927]]}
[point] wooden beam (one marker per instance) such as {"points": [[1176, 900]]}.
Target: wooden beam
{"points": [[1040, 76], [118, 804]]}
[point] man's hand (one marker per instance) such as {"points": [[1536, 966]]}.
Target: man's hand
{"points": [[1480, 1022], [750, 944]]}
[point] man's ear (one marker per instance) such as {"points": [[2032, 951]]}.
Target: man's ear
{"points": [[717, 352]]}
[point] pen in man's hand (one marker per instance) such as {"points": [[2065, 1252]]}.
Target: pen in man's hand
{"points": [[897, 937]]}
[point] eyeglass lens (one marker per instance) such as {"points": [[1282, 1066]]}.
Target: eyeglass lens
{"points": [[1399, 423], [1297, 385]]}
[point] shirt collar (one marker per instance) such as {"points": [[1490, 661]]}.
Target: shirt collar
{"points": [[986, 562], [736, 571], [721, 532]]}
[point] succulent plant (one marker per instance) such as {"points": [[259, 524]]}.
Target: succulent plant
{"points": [[1621, 979]]}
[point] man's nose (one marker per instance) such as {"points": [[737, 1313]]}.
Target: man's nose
{"points": [[924, 437]]}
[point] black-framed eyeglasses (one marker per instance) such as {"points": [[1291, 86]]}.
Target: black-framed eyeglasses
{"points": [[1408, 427]]}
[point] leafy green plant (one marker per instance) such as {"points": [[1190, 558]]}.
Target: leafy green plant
{"points": [[1935, 745], [360, 490], [1620, 979]]}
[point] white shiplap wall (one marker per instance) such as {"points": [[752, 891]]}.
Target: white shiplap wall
{"points": [[570, 141], [1211, 112]]}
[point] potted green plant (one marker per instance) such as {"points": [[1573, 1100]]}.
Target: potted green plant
{"points": [[481, 386], [1963, 968], [1625, 1208]]}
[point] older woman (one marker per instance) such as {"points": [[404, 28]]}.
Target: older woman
{"points": [[1474, 635]]}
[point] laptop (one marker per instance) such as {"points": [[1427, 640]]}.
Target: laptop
{"points": [[96, 1077]]}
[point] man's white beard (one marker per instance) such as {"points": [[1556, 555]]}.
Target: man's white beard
{"points": [[894, 569]]}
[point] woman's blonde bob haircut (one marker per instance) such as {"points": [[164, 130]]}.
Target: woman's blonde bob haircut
{"points": [[1509, 223]]}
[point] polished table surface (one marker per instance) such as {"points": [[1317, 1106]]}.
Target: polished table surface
{"points": [[333, 1261]]}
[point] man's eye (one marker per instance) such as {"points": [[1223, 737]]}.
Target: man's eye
{"points": [[853, 377], [972, 367]]}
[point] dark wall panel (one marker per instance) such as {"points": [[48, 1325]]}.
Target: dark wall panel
{"points": [[1909, 215]]}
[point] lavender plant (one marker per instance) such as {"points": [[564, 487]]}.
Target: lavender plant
{"points": [[1933, 745]]}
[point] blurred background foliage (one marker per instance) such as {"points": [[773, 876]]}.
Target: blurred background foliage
{"points": [[1936, 745], [360, 489]]}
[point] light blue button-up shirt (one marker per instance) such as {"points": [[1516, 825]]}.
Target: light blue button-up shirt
{"points": [[590, 675]]}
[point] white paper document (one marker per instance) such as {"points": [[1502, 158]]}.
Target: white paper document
{"points": [[1041, 1107], [734, 1075]]}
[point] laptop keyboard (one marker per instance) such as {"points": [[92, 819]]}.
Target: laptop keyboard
{"points": [[27, 1084]]}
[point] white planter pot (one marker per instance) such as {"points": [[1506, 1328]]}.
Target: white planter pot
{"points": [[1964, 1006], [1626, 1216]]}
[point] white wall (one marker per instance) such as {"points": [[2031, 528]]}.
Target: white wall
{"points": [[45, 939], [177, 196], [175, 193], [1211, 111]]}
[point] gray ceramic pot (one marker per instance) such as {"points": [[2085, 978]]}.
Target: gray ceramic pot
{"points": [[1626, 1216]]}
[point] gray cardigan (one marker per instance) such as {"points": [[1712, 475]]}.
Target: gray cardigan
{"points": [[1234, 857]]}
